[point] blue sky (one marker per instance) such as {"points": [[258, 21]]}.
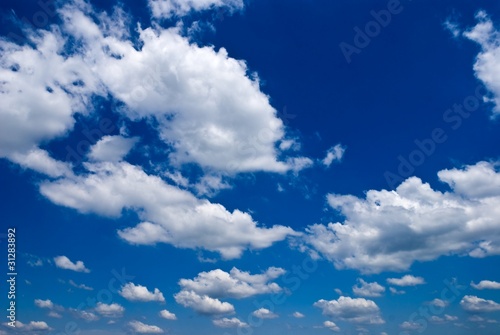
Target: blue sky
{"points": [[251, 167]]}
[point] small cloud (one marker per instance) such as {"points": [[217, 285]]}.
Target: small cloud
{"points": [[64, 262], [44, 303], [143, 328], [439, 303], [229, 323], [396, 291], [452, 27], [133, 292], [407, 280], [486, 285], [407, 325], [80, 286], [56, 315], [331, 325], [167, 315], [264, 313], [298, 315], [109, 311], [334, 154]]}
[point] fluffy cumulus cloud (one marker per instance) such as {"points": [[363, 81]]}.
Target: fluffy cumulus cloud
{"points": [[44, 303], [486, 285], [229, 323], [331, 325], [203, 304], [111, 148], [167, 315], [169, 8], [371, 290], [475, 304], [355, 310], [113, 310], [203, 292], [170, 215], [235, 284], [406, 280], [64, 262], [389, 230], [32, 326], [487, 65], [264, 313], [298, 315], [41, 91], [142, 328], [206, 107], [444, 319], [408, 325], [133, 292]]}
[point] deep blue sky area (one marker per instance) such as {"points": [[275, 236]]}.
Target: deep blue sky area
{"points": [[227, 168]]}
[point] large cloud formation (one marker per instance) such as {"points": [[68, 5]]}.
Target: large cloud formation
{"points": [[206, 108], [389, 230]]}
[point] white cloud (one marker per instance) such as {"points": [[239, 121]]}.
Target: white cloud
{"points": [[479, 319], [439, 303], [487, 65], [406, 280], [170, 215], [331, 325], [44, 303], [203, 304], [85, 315], [396, 291], [33, 326], [142, 328], [210, 184], [64, 262], [113, 310], [167, 315], [235, 284], [334, 154], [370, 290], [407, 325], [298, 315], [452, 27], [112, 148], [472, 303], [357, 310], [39, 97], [389, 230], [264, 313], [446, 318], [40, 161], [208, 107], [80, 286], [53, 314], [486, 285], [169, 8], [133, 292], [229, 323]]}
